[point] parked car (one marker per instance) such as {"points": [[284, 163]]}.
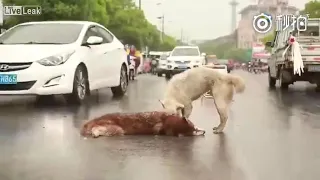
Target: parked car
{"points": [[223, 62], [182, 58], [61, 57], [162, 64]]}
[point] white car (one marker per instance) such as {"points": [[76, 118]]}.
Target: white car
{"points": [[182, 58], [221, 68], [162, 64], [61, 57]]}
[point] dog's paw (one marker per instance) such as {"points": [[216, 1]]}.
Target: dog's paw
{"points": [[217, 131]]}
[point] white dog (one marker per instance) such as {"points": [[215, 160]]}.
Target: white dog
{"points": [[188, 86]]}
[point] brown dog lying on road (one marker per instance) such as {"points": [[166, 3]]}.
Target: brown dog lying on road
{"points": [[145, 123]]}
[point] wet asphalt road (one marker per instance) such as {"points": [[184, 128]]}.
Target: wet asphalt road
{"points": [[270, 135]]}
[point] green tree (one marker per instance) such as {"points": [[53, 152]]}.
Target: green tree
{"points": [[122, 17], [312, 8], [225, 50]]}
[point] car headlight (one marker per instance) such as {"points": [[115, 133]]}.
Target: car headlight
{"points": [[56, 59]]}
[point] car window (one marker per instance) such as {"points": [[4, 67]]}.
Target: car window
{"points": [[275, 40], [107, 37], [92, 31], [42, 33], [281, 41], [185, 52]]}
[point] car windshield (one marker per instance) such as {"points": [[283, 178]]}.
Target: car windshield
{"points": [[310, 32], [54, 33], [223, 61], [185, 52], [211, 59], [163, 57]]}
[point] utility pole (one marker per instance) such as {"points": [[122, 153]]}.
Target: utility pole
{"points": [[181, 36], [161, 31], [140, 4], [162, 27]]}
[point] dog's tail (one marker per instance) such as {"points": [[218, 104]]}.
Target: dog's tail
{"points": [[237, 82]]}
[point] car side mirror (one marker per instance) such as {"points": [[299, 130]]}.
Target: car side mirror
{"points": [[94, 40], [269, 44]]}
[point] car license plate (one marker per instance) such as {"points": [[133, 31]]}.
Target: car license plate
{"points": [[182, 67], [8, 79], [314, 68]]}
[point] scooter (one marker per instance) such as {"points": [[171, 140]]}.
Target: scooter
{"points": [[132, 68]]}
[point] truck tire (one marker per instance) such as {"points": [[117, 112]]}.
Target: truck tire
{"points": [[272, 81], [283, 85], [318, 87]]}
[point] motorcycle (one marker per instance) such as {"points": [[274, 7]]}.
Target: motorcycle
{"points": [[249, 68]]}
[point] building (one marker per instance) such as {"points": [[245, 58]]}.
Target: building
{"points": [[246, 35]]}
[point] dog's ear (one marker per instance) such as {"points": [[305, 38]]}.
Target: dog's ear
{"points": [[162, 104]]}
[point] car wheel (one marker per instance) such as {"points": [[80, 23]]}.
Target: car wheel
{"points": [[80, 89], [272, 81], [123, 86]]}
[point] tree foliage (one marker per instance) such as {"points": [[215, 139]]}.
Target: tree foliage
{"points": [[312, 8], [122, 17], [225, 50]]}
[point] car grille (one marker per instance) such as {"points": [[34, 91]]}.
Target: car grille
{"points": [[182, 62], [9, 67], [17, 87]]}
